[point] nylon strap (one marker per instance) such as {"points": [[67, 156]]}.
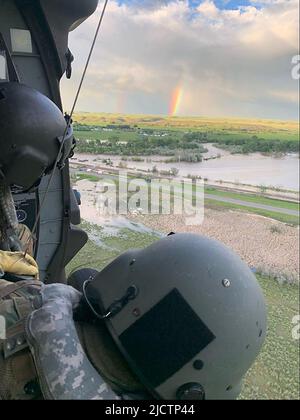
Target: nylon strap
{"points": [[12, 288]]}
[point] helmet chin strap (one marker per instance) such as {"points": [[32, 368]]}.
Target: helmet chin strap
{"points": [[9, 238]]}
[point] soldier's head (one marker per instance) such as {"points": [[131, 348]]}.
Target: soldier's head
{"points": [[186, 313], [31, 130]]}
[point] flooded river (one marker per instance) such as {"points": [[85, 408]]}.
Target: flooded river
{"points": [[253, 169]]}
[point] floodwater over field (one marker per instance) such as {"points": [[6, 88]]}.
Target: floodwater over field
{"points": [[253, 169], [111, 225]]}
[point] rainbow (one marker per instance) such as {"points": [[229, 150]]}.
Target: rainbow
{"points": [[176, 101]]}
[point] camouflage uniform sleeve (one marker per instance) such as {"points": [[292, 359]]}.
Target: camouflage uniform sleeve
{"points": [[65, 373]]}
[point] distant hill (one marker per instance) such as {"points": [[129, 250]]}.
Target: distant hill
{"points": [[268, 129]]}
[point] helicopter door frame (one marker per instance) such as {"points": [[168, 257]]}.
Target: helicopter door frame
{"points": [[38, 25]]}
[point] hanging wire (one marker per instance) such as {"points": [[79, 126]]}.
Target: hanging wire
{"points": [[32, 236]]}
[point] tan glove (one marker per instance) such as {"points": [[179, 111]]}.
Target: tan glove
{"points": [[18, 264]]}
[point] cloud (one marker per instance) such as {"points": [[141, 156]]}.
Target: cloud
{"points": [[228, 62], [287, 96], [209, 9]]}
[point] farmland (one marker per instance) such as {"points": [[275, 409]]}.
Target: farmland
{"points": [[258, 235], [148, 135], [286, 129]]}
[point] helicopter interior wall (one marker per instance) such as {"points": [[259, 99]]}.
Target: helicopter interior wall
{"points": [[28, 65], [54, 230]]}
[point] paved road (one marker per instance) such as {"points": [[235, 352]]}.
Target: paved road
{"points": [[245, 203], [280, 210], [251, 204]]}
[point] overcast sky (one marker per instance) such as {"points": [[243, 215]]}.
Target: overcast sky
{"points": [[229, 57]]}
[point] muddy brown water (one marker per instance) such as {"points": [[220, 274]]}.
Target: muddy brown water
{"points": [[253, 169]]}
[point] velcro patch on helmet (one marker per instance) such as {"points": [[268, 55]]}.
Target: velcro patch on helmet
{"points": [[165, 339]]}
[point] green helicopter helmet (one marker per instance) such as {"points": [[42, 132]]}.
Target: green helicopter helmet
{"points": [[32, 129], [187, 313]]}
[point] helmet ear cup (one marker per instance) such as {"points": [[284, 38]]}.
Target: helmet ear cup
{"points": [[25, 157], [190, 391]]}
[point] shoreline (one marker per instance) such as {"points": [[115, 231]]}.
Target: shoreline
{"points": [[265, 191]]}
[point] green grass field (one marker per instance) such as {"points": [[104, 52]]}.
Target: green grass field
{"points": [[285, 130], [281, 217], [252, 198], [275, 375]]}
